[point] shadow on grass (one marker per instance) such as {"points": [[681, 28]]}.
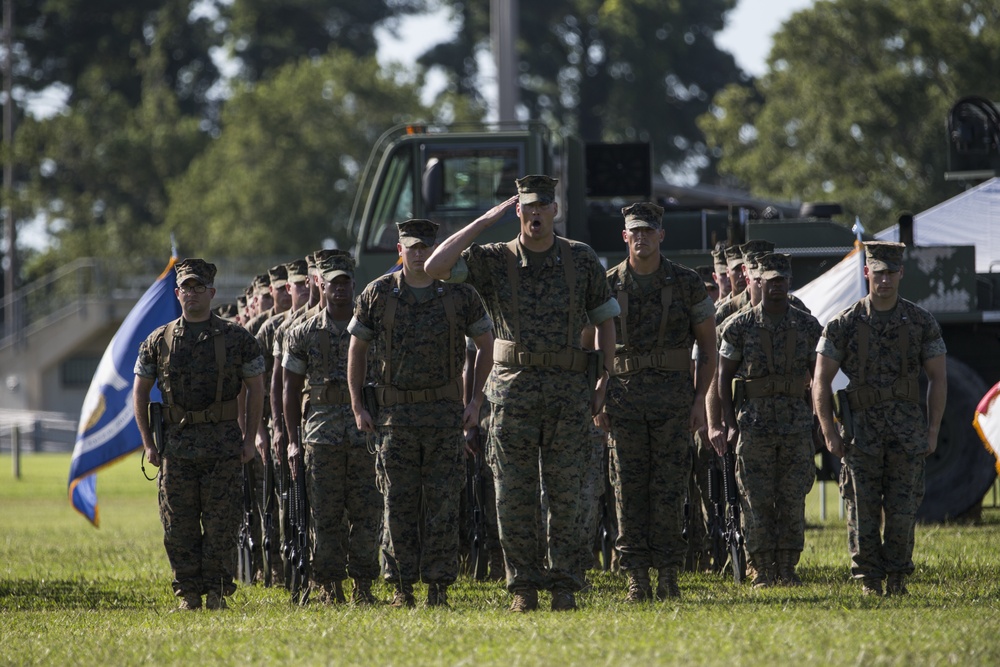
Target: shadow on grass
{"points": [[62, 594]]}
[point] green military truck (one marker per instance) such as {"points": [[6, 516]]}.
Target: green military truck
{"points": [[453, 174]]}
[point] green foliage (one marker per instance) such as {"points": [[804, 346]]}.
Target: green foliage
{"points": [[283, 172], [267, 35], [610, 71], [854, 104], [70, 594]]}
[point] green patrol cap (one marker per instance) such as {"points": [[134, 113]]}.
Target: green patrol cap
{"points": [[412, 232], [884, 255], [734, 258], [774, 265], [756, 245], [262, 284], [197, 269], [278, 275], [643, 214], [298, 270], [536, 188], [719, 259], [339, 264]]}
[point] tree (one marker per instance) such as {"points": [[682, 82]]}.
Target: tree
{"points": [[610, 71], [266, 35], [854, 103], [282, 174]]}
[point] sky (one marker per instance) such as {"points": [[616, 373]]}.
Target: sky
{"points": [[747, 36]]}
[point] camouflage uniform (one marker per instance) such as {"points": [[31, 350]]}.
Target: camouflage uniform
{"points": [[649, 411], [340, 472], [540, 413], [420, 464], [774, 457], [883, 474], [200, 476]]}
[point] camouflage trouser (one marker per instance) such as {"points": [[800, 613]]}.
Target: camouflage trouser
{"points": [[345, 510], [421, 472], [556, 442], [699, 503], [774, 473], [650, 466], [886, 486], [200, 502], [593, 487]]}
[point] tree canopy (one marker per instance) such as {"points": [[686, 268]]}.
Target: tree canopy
{"points": [[283, 171], [853, 106], [609, 71]]}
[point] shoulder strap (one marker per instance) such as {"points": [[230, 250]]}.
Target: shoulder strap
{"points": [[388, 320], [622, 298], [166, 348], [512, 280], [666, 298], [566, 252], [448, 301]]}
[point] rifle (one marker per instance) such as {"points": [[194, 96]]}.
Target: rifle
{"points": [[475, 489], [268, 517], [608, 530], [285, 518], [842, 409], [733, 533], [154, 412], [244, 544], [717, 518], [299, 557]]}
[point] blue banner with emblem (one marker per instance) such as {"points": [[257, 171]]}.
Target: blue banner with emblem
{"points": [[107, 430]]}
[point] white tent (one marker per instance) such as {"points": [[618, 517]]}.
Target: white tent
{"points": [[971, 218]]}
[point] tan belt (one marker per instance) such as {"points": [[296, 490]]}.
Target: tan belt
{"points": [[866, 396], [778, 385], [392, 396], [676, 359], [217, 412], [326, 394], [513, 354]]}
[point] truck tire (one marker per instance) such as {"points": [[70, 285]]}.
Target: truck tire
{"points": [[961, 471]]}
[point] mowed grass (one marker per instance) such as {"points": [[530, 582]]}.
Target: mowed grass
{"points": [[73, 595]]}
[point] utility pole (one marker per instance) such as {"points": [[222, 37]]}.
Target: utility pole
{"points": [[10, 230], [504, 18]]}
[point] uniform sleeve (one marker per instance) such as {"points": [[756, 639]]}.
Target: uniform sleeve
{"points": [[933, 345], [253, 359], [295, 358], [833, 341], [146, 362], [477, 321], [703, 310], [362, 325], [732, 340]]}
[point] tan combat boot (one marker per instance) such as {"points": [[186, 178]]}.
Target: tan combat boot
{"points": [[666, 584], [563, 601], [190, 602], [524, 601], [763, 569], [361, 595], [403, 599], [870, 586], [896, 584], [639, 588], [215, 601], [437, 595], [787, 560]]}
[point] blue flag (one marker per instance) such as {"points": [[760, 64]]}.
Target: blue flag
{"points": [[107, 429]]}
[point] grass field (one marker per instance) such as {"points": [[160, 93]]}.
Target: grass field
{"points": [[73, 595]]}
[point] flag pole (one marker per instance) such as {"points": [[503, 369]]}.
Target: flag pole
{"points": [[858, 230]]}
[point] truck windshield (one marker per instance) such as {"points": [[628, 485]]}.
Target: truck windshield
{"points": [[456, 184]]}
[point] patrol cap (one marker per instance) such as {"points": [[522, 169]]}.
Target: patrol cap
{"points": [[536, 188], [339, 264], [705, 273], [226, 311], [198, 269], [734, 258], [643, 214], [262, 284], [278, 275], [719, 259], [774, 265], [412, 232], [319, 255], [751, 261], [756, 245], [884, 255], [298, 270]]}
